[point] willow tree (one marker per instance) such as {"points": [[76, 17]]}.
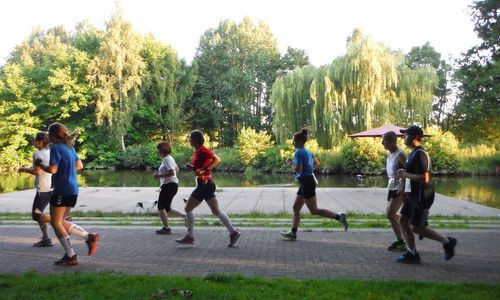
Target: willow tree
{"points": [[115, 74], [291, 102]]}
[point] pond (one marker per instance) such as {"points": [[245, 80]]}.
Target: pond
{"points": [[481, 189]]}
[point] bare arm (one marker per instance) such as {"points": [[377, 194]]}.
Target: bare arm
{"points": [[79, 165], [316, 163], [33, 171]]}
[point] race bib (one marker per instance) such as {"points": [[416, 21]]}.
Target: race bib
{"points": [[407, 185], [391, 185]]}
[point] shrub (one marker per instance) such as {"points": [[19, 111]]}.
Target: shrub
{"points": [[230, 159], [442, 148], [363, 156], [251, 144], [478, 159], [139, 156]]}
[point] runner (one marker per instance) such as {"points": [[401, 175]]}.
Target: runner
{"points": [[63, 164], [395, 160], [167, 173], [419, 196], [303, 165], [202, 163], [43, 186]]}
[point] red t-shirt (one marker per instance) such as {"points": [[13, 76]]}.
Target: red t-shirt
{"points": [[202, 158]]}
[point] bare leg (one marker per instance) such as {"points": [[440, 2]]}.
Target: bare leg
{"points": [[407, 232], [391, 212], [297, 206], [312, 205], [163, 217], [428, 233]]}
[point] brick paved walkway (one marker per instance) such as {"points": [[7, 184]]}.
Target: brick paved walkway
{"points": [[357, 254]]}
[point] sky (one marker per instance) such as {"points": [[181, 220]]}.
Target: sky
{"points": [[320, 27]]}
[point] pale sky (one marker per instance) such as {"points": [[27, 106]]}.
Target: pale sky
{"points": [[320, 27]]}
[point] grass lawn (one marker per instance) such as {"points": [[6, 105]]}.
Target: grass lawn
{"points": [[119, 286], [257, 219]]}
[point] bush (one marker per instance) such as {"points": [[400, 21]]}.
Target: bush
{"points": [[330, 161], [442, 148], [251, 144], [230, 159], [478, 159], [140, 157], [363, 156]]}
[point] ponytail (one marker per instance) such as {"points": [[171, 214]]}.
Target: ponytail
{"points": [[59, 134], [302, 135]]}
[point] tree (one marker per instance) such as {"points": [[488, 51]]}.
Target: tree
{"points": [[477, 112], [17, 123], [115, 74], [427, 56], [368, 86], [167, 82], [237, 65]]}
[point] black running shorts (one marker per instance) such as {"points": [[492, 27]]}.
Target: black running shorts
{"points": [[205, 190], [167, 193], [63, 201], [307, 187]]}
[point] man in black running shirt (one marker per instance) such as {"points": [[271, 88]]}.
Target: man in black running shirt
{"points": [[419, 196]]}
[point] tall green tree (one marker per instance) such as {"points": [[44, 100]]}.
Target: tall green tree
{"points": [[367, 87], [477, 112], [237, 65], [167, 82], [115, 74], [427, 56]]}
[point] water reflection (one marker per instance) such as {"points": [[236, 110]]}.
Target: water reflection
{"points": [[482, 189]]}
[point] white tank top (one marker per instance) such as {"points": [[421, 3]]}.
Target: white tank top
{"points": [[391, 166]]}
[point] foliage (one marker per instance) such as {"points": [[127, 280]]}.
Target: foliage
{"points": [[363, 156], [368, 86], [230, 159], [251, 144], [115, 74], [237, 64], [478, 159], [140, 156], [442, 148], [477, 112]]}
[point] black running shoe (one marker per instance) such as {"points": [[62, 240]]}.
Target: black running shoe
{"points": [[397, 246], [343, 221], [409, 258], [449, 248]]}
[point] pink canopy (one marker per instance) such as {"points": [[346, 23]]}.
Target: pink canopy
{"points": [[379, 131]]}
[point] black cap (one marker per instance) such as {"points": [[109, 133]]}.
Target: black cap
{"points": [[413, 131]]}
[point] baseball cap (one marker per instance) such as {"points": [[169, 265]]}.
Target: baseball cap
{"points": [[413, 130]]}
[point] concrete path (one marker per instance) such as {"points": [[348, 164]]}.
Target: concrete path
{"points": [[358, 254], [246, 200]]}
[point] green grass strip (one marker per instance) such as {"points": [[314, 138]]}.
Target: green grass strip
{"points": [[119, 286]]}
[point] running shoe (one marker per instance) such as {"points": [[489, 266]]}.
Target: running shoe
{"points": [[449, 248], [289, 235], [43, 243], [409, 258], [92, 243], [67, 261], [186, 240], [397, 246], [233, 238], [343, 221], [164, 230]]}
